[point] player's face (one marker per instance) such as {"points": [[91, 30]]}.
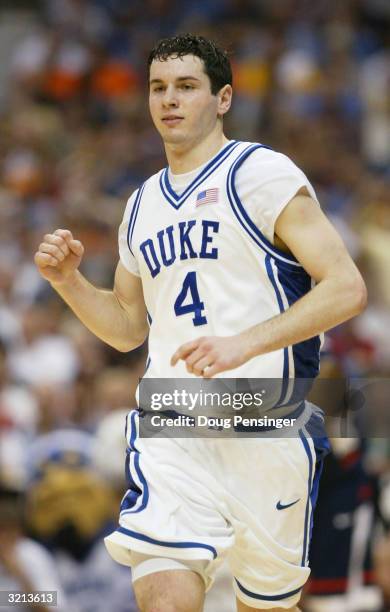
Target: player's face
{"points": [[182, 106]]}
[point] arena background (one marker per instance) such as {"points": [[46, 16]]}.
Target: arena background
{"points": [[311, 79]]}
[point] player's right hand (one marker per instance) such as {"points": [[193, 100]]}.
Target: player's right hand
{"points": [[58, 256]]}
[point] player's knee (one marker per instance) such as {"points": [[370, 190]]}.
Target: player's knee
{"points": [[163, 605], [173, 591]]}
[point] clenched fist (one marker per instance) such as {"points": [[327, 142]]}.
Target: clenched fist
{"points": [[58, 256]]}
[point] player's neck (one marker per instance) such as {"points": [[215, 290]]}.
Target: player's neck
{"points": [[186, 157]]}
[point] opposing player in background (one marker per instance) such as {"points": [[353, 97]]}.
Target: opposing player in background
{"points": [[228, 257]]}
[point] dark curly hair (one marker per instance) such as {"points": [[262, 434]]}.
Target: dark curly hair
{"points": [[216, 61]]}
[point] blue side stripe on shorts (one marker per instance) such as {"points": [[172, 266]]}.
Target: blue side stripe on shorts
{"points": [[134, 493], [145, 494], [145, 538], [267, 597], [133, 434], [315, 429], [309, 485]]}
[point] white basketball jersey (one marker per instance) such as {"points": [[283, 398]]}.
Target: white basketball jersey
{"points": [[207, 260]]}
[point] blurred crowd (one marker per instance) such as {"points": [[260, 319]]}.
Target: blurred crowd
{"points": [[311, 79]]}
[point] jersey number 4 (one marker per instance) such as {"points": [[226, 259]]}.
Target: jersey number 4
{"points": [[189, 292]]}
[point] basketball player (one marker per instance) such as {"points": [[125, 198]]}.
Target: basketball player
{"points": [[228, 257]]}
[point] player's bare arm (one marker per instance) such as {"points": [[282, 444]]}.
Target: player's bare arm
{"points": [[339, 295], [117, 317]]}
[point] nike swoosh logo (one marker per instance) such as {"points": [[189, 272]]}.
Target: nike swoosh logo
{"points": [[280, 506]]}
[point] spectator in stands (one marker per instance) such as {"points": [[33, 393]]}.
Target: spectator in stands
{"points": [[25, 565]]}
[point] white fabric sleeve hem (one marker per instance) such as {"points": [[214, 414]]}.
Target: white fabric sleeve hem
{"points": [[126, 256], [294, 190], [129, 268]]}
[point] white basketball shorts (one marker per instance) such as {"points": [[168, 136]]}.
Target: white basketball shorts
{"points": [[247, 500]]}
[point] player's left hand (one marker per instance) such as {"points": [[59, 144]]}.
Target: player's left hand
{"points": [[211, 355]]}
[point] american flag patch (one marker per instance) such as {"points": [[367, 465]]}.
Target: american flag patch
{"points": [[208, 196]]}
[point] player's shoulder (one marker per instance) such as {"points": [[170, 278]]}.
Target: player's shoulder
{"points": [[263, 162], [264, 153]]}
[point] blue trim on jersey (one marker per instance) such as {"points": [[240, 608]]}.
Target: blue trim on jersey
{"points": [[148, 360], [145, 538], [244, 218], [135, 491], [306, 354], [177, 200], [293, 279], [271, 276], [209, 166], [133, 217], [267, 597], [285, 375]]}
